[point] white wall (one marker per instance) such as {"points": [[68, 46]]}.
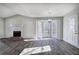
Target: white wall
{"points": [[20, 23], [29, 28], [70, 26], [1, 28]]}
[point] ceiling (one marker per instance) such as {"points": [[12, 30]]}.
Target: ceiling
{"points": [[37, 9]]}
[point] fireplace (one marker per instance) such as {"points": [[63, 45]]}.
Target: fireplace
{"points": [[16, 33]]}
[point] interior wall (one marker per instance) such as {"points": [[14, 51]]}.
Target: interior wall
{"points": [[1, 28], [70, 26], [20, 23]]}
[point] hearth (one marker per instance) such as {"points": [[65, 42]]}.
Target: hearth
{"points": [[16, 33]]}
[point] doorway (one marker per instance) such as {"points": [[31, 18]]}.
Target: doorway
{"points": [[46, 28], [43, 28], [50, 28]]}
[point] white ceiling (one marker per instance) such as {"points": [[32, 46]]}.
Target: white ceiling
{"points": [[36, 10]]}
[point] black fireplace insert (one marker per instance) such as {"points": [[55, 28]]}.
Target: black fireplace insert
{"points": [[16, 33]]}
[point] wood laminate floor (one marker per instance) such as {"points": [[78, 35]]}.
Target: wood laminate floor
{"points": [[15, 47]]}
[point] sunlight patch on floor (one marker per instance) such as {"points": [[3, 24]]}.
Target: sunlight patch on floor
{"points": [[35, 50]]}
